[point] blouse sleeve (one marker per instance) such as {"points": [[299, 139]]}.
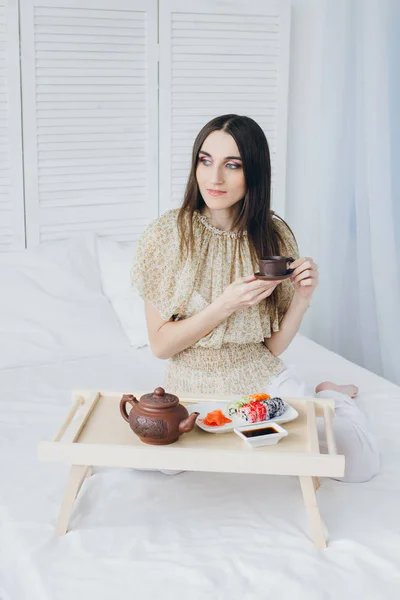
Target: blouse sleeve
{"points": [[286, 288], [157, 264]]}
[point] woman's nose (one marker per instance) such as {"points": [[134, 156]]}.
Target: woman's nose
{"points": [[216, 176]]}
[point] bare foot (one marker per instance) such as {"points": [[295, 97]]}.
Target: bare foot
{"points": [[350, 390]]}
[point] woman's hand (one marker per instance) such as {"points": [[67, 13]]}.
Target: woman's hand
{"points": [[304, 276], [245, 292]]}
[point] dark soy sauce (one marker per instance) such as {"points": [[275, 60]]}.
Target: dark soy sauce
{"points": [[259, 431]]}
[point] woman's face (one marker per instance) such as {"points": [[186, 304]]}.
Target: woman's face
{"points": [[219, 171]]}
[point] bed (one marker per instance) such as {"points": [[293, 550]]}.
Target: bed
{"points": [[144, 534]]}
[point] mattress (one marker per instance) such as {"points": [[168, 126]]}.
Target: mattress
{"points": [[143, 534]]}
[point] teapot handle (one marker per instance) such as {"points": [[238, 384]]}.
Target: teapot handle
{"points": [[126, 399]]}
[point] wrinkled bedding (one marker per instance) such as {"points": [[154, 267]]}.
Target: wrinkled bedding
{"points": [[142, 534]]}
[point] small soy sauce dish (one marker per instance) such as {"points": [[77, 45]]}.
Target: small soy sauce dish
{"points": [[261, 435]]}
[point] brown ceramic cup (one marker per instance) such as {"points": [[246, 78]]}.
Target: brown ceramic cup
{"points": [[275, 265]]}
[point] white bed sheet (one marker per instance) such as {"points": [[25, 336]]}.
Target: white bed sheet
{"points": [[144, 534]]}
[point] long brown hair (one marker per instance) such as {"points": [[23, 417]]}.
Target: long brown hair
{"points": [[255, 214]]}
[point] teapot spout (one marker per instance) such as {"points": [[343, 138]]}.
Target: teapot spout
{"points": [[187, 424]]}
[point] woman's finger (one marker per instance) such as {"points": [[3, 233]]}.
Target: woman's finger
{"points": [[251, 282], [250, 296], [306, 265], [300, 261], [313, 269], [259, 284], [307, 282], [305, 276], [261, 296], [246, 279]]}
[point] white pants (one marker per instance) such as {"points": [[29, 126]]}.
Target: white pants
{"points": [[352, 434]]}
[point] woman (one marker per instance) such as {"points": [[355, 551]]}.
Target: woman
{"points": [[221, 329]]}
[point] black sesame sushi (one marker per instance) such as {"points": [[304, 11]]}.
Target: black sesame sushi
{"points": [[275, 406]]}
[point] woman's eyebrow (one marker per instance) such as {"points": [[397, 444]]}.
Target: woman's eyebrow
{"points": [[226, 157]]}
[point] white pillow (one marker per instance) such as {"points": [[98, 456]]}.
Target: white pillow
{"points": [[115, 261], [52, 307]]}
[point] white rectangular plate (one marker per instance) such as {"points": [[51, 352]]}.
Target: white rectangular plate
{"points": [[205, 407]]}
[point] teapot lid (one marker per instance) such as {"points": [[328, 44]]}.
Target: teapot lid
{"points": [[159, 399]]}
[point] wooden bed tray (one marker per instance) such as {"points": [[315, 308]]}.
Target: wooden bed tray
{"points": [[94, 434]]}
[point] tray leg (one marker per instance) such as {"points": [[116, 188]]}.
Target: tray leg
{"points": [[310, 500], [76, 477], [315, 481]]}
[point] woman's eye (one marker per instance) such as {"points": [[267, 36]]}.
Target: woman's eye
{"points": [[232, 166]]}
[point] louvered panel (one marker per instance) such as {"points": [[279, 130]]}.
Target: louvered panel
{"points": [[249, 17], [128, 230], [95, 55], [92, 217], [12, 234], [80, 164], [90, 115], [217, 59]]}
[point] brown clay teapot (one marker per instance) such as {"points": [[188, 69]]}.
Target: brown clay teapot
{"points": [[157, 418]]}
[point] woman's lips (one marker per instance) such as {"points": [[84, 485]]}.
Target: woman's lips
{"points": [[215, 192]]}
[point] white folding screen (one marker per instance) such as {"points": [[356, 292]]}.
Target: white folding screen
{"points": [[114, 93], [12, 233], [89, 73], [216, 58]]}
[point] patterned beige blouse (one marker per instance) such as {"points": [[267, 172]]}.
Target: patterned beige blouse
{"points": [[232, 358]]}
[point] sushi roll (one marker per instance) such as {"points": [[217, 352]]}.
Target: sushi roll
{"points": [[275, 406], [257, 397], [234, 406], [264, 410], [248, 412], [253, 412]]}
